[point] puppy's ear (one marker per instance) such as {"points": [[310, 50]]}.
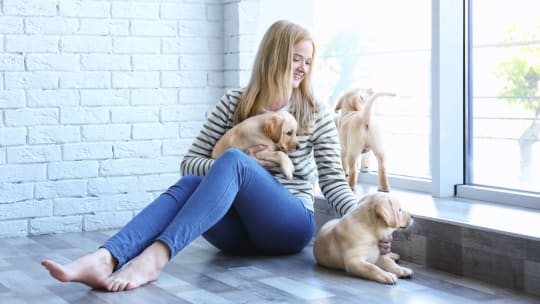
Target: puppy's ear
{"points": [[338, 105], [272, 128], [384, 209], [356, 102]]}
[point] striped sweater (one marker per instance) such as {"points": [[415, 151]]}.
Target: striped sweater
{"points": [[316, 160]]}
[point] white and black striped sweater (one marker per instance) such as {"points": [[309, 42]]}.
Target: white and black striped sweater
{"points": [[319, 152]]}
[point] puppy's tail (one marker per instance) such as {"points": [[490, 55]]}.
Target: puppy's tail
{"points": [[366, 116]]}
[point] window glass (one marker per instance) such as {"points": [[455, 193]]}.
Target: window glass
{"points": [[505, 108], [383, 45]]}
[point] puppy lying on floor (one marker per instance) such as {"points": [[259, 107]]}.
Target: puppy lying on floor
{"points": [[359, 133], [351, 243], [277, 130]]}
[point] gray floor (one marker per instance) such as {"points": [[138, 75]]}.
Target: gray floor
{"points": [[200, 274]]}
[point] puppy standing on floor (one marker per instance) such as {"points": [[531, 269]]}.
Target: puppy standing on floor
{"points": [[359, 133], [276, 130], [350, 243]]}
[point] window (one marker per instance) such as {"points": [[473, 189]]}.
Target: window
{"points": [[504, 145], [365, 44]]}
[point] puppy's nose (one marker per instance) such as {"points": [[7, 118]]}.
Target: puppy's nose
{"points": [[297, 147]]}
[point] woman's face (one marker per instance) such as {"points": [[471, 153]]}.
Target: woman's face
{"points": [[302, 56]]}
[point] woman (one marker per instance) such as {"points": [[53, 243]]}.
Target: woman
{"points": [[236, 202]]}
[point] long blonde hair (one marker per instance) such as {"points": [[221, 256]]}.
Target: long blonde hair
{"points": [[271, 76]]}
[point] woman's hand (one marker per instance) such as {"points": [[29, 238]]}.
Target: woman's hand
{"points": [[385, 244], [252, 152]]}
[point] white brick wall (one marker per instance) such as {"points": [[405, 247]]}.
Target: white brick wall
{"points": [[99, 99]]}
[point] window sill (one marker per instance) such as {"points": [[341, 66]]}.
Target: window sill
{"points": [[483, 215]]}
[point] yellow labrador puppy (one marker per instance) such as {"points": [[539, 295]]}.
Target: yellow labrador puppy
{"points": [[351, 242], [277, 130], [359, 133]]}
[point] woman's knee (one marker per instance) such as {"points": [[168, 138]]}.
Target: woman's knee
{"points": [[184, 186]]}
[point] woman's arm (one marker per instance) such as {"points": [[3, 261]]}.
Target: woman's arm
{"points": [[327, 153], [198, 158]]}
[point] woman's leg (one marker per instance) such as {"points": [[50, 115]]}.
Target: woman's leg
{"points": [[233, 174], [94, 269], [143, 229]]}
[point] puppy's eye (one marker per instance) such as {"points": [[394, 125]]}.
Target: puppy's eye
{"points": [[289, 133]]}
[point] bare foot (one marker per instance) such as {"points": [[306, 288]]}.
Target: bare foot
{"points": [[92, 269], [142, 270]]}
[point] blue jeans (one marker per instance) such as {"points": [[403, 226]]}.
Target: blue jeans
{"points": [[238, 207]]}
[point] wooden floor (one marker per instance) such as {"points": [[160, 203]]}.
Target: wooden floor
{"points": [[200, 274]]}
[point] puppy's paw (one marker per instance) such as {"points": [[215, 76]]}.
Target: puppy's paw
{"points": [[386, 278], [394, 256], [288, 169], [383, 190], [404, 272]]}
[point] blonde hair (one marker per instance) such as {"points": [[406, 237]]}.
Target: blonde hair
{"points": [[271, 76]]}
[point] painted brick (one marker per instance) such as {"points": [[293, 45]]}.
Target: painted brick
{"points": [[104, 97], [136, 45], [196, 28], [12, 136], [135, 10], [10, 193], [154, 96], [18, 228], [122, 167], [176, 147], [155, 131], [201, 62], [52, 62], [86, 205], [106, 62], [183, 112], [11, 25], [55, 224], [184, 11], [135, 79], [159, 182], [106, 220], [51, 25], [54, 189], [134, 114], [33, 154], [154, 28], [30, 7], [86, 151], [72, 169], [10, 99], [31, 80], [86, 8], [190, 129], [112, 185], [200, 95], [183, 79], [31, 117], [155, 62], [106, 132], [25, 209], [11, 62], [52, 98], [85, 80], [104, 27], [31, 43], [81, 116], [53, 135], [137, 149], [22, 173], [86, 44], [180, 45]]}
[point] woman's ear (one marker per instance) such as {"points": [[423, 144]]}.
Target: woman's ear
{"points": [[272, 128]]}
